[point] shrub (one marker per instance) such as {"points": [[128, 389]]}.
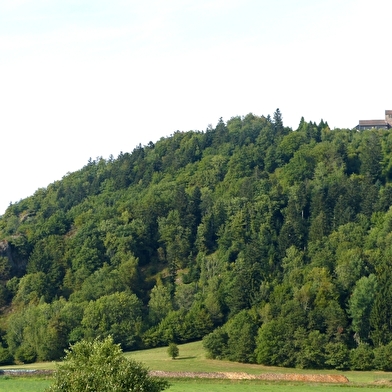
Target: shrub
{"points": [[311, 354], [100, 366], [173, 351], [337, 356], [216, 344], [362, 357], [5, 356], [25, 354], [383, 357]]}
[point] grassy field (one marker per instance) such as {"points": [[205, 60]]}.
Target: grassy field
{"points": [[192, 359], [255, 386], [27, 384], [39, 385]]}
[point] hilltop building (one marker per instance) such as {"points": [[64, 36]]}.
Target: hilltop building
{"points": [[378, 124]]}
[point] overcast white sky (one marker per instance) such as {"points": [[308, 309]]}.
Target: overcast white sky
{"points": [[89, 78]]}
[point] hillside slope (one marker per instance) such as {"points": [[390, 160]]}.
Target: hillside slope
{"points": [[276, 241]]}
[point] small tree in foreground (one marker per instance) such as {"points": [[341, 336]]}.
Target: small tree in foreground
{"points": [[101, 366], [173, 350]]}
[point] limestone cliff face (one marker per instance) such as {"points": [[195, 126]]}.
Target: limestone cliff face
{"points": [[5, 250], [17, 263]]}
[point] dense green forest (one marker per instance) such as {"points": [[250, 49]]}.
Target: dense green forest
{"points": [[273, 245]]}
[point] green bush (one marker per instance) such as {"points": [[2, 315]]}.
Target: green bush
{"points": [[25, 354], [5, 356], [216, 344], [311, 354], [274, 345], [362, 357], [100, 366], [337, 356], [383, 357], [173, 350]]}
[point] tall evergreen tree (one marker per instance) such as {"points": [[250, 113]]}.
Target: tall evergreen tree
{"points": [[381, 314], [278, 122]]}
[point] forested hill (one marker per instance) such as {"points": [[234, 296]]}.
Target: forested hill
{"points": [[274, 245]]}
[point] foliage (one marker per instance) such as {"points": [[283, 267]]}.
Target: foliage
{"points": [[360, 305], [5, 356], [337, 355], [383, 357], [216, 344], [362, 357], [118, 315], [235, 340], [101, 366], [276, 242], [173, 350]]}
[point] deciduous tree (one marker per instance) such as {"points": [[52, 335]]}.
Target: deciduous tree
{"points": [[101, 366]]}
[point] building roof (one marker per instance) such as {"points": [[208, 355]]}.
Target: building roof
{"points": [[389, 112], [374, 123]]}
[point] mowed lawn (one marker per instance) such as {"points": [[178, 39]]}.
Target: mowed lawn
{"points": [[39, 385], [20, 384], [255, 386], [192, 359]]}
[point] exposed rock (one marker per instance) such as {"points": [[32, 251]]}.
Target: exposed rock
{"points": [[5, 251], [17, 264]]}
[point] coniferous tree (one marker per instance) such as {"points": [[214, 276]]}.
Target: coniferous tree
{"points": [[381, 313]]}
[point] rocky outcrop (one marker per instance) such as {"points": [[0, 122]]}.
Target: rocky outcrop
{"points": [[5, 250], [6, 253], [16, 262]]}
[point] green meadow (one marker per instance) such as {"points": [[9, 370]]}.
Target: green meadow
{"points": [[192, 359]]}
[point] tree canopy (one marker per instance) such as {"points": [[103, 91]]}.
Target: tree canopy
{"points": [[272, 244]]}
